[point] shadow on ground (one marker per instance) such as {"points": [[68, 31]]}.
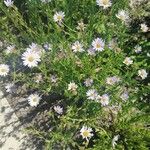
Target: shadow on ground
{"points": [[28, 116]]}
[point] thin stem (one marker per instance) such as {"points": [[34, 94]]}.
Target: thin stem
{"points": [[69, 27]]}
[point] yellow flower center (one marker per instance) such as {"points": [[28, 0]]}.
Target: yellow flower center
{"points": [[59, 17], [3, 70], [30, 59], [111, 81], [98, 45], [86, 133], [78, 47], [105, 2], [34, 100], [122, 17], [93, 94]]}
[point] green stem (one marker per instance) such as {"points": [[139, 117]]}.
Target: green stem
{"points": [[69, 28]]}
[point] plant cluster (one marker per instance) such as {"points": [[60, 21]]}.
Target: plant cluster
{"points": [[94, 54]]}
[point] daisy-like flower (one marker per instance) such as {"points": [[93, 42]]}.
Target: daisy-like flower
{"points": [[54, 78], [72, 87], [92, 94], [142, 73], [59, 16], [88, 82], [86, 132], [112, 80], [47, 46], [81, 26], [9, 3], [114, 140], [10, 49], [124, 96], [128, 61], [9, 87], [123, 16], [58, 110], [4, 69], [77, 47], [144, 27], [104, 3], [30, 58], [98, 44], [38, 78], [91, 52], [112, 44], [104, 99], [34, 100], [137, 49], [36, 48]]}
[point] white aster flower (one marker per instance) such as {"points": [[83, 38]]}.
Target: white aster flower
{"points": [[59, 16], [47, 46], [81, 26], [91, 52], [36, 48], [38, 78], [112, 44], [137, 49], [112, 80], [144, 27], [4, 69], [34, 100], [142, 73], [58, 109], [123, 16], [54, 78], [124, 96], [98, 44], [88, 82], [9, 87], [92, 94], [114, 140], [10, 49], [86, 132], [128, 61], [104, 3], [9, 3], [77, 47], [30, 58], [104, 99], [72, 87]]}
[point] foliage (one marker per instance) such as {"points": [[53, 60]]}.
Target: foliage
{"points": [[31, 21]]}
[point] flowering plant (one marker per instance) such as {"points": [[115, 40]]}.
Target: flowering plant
{"points": [[94, 55]]}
